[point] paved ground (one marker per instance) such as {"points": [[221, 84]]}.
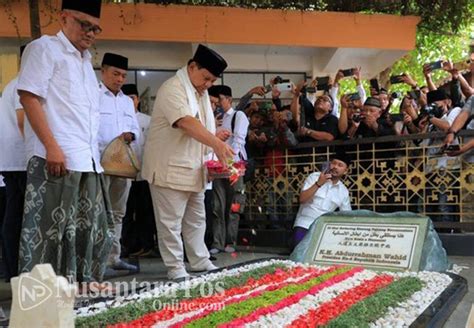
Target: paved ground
{"points": [[154, 270]]}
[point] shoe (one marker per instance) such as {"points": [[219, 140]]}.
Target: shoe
{"points": [[214, 251], [137, 253], [178, 273], [151, 253], [122, 265], [208, 267], [229, 249]]}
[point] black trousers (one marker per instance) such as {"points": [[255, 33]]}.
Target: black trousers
{"points": [[139, 228], [15, 182]]}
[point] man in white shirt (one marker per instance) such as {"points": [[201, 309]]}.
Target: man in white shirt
{"points": [[13, 168], [225, 223], [181, 135], [117, 119], [438, 164], [65, 219], [323, 192]]}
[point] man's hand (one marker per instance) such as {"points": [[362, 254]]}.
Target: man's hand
{"points": [[323, 178], [262, 137], [371, 122], [448, 66], [345, 101], [297, 89], [407, 79], [128, 137], [427, 70], [407, 119], [258, 90], [302, 131], [338, 77], [223, 134], [223, 151], [56, 161], [356, 72], [275, 93], [449, 138]]}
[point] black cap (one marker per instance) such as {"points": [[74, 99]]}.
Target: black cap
{"points": [[130, 89], [22, 49], [372, 101], [214, 91], [225, 91], [115, 60], [89, 7], [217, 90], [436, 95], [210, 60], [342, 155]]}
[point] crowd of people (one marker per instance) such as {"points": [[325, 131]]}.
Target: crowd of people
{"points": [[58, 120]]}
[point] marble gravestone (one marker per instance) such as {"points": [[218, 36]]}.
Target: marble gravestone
{"points": [[400, 241], [40, 298]]}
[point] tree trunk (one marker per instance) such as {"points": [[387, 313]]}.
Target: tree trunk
{"points": [[35, 27]]}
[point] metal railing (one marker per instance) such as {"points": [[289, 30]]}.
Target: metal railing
{"points": [[387, 174]]}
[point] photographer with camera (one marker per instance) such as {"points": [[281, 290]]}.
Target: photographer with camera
{"points": [[409, 109], [318, 124], [355, 73], [438, 115], [350, 117]]}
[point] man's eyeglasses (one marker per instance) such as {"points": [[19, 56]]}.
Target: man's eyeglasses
{"points": [[87, 26], [324, 98]]}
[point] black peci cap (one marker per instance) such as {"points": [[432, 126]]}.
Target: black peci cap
{"points": [[210, 60], [372, 101], [89, 7], [115, 60], [436, 95]]}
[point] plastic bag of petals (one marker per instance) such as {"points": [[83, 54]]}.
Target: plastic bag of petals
{"points": [[234, 170]]}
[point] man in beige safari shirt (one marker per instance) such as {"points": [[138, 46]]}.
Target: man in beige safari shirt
{"points": [[181, 134]]}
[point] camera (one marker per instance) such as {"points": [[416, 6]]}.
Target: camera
{"points": [[395, 95], [284, 86], [348, 72], [435, 65], [430, 110], [357, 118], [279, 80], [374, 83], [394, 79], [308, 90], [452, 148], [415, 94]]}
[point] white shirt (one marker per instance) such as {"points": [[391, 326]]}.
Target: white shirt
{"points": [[144, 125], [2, 184], [53, 69], [117, 115], [12, 144], [237, 139], [326, 199], [333, 93], [435, 160]]}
